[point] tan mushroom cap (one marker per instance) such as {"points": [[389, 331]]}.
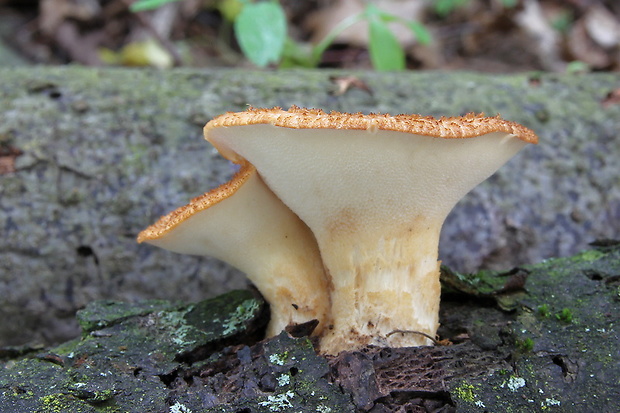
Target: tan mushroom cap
{"points": [[243, 223], [374, 156], [174, 218], [457, 127], [375, 190]]}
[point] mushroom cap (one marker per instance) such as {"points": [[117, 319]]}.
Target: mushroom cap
{"points": [[334, 167], [456, 127], [160, 233], [241, 222]]}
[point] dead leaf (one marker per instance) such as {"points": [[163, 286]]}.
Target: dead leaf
{"points": [[516, 282], [612, 98], [325, 20], [545, 40], [301, 330], [52, 358], [54, 12], [584, 49], [81, 47], [602, 27], [344, 83], [7, 159]]}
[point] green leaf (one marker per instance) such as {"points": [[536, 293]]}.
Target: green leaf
{"points": [[385, 51], [420, 32], [371, 11], [319, 49], [142, 5], [577, 66], [509, 3], [445, 7], [230, 9], [260, 29], [297, 54]]}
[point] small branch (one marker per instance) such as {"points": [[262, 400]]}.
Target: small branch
{"points": [[434, 340]]}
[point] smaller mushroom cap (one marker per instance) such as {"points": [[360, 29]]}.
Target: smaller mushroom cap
{"points": [[243, 223]]}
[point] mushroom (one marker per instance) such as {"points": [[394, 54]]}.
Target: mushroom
{"points": [[375, 190], [243, 223]]}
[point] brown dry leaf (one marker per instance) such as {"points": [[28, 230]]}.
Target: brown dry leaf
{"points": [[612, 98], [545, 39], [7, 165], [54, 12], [584, 49], [444, 342], [344, 83], [325, 20], [595, 38], [602, 27], [81, 47], [7, 159], [516, 281]]}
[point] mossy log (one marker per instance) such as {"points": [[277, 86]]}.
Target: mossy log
{"points": [[539, 338], [88, 157]]}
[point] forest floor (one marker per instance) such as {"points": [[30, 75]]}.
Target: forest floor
{"points": [[499, 36]]}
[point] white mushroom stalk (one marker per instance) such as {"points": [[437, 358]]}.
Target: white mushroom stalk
{"points": [[375, 191], [243, 223]]}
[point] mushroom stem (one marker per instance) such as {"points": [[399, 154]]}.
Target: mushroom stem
{"points": [[388, 282]]}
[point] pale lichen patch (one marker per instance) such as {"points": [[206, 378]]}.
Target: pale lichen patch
{"points": [[278, 402]]}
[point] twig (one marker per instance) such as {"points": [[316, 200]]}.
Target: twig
{"points": [[434, 340]]}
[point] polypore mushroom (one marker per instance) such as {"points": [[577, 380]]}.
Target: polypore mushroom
{"points": [[243, 223], [375, 191]]}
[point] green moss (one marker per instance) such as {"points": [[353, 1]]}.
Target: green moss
{"points": [[544, 311], [566, 315], [105, 313], [67, 347], [53, 403], [589, 255], [22, 394], [466, 392], [525, 345], [59, 403]]}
